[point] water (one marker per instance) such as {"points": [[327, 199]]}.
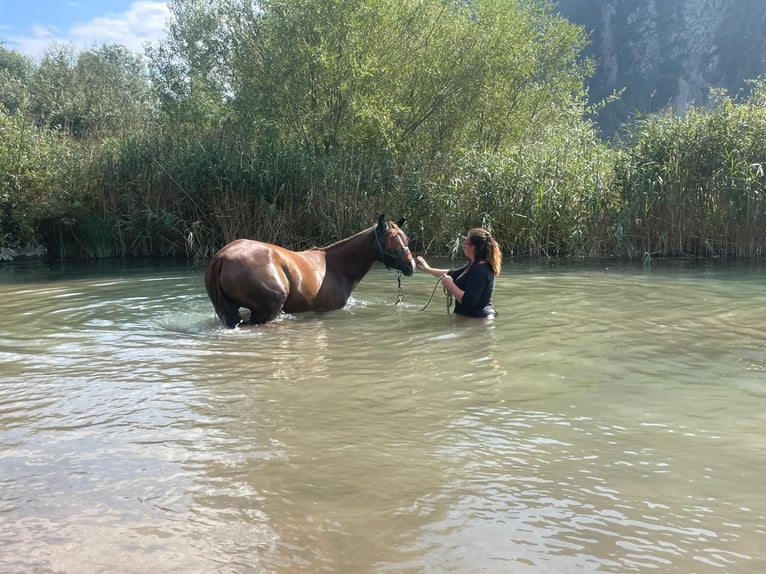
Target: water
{"points": [[610, 420]]}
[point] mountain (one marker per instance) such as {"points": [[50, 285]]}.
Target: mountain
{"points": [[669, 52]]}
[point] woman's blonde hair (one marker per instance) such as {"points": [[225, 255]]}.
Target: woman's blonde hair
{"points": [[486, 248]]}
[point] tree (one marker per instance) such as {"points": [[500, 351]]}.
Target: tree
{"points": [[103, 90], [191, 69], [114, 90], [528, 63], [52, 88], [27, 169], [15, 73], [425, 75]]}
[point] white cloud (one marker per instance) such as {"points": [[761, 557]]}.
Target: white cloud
{"points": [[143, 22]]}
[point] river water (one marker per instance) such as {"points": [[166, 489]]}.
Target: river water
{"points": [[611, 419]]}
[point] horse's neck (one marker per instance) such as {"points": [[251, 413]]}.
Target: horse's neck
{"points": [[352, 257]]}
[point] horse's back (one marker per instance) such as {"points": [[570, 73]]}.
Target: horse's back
{"points": [[264, 278], [244, 254]]}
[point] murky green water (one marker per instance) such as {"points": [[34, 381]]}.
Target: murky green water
{"points": [[612, 419]]}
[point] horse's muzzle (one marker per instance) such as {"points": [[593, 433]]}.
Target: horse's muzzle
{"points": [[408, 268]]}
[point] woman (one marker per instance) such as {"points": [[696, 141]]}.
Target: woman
{"points": [[472, 285]]}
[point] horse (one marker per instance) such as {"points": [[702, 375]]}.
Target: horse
{"points": [[268, 279]]}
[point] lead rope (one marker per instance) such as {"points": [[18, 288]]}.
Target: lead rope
{"points": [[447, 293], [400, 291]]}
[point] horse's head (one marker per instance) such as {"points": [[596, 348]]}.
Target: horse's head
{"points": [[392, 246]]}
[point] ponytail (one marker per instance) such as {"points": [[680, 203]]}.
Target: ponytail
{"points": [[487, 249]]}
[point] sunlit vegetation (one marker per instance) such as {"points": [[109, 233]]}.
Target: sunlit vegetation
{"points": [[694, 184], [300, 121]]}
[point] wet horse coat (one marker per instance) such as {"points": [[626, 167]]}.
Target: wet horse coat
{"points": [[268, 279]]}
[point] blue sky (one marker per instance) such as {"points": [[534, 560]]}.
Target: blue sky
{"points": [[31, 26]]}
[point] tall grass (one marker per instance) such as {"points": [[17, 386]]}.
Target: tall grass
{"points": [[188, 194], [689, 185], [693, 185], [548, 199]]}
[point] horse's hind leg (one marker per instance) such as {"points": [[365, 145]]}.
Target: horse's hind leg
{"points": [[267, 308], [228, 312], [260, 316]]}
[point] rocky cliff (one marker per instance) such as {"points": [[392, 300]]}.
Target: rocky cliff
{"points": [[669, 52]]}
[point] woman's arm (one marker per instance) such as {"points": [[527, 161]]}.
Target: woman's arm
{"points": [[428, 269], [446, 279]]}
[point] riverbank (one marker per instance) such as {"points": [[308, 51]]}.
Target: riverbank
{"points": [[31, 251]]}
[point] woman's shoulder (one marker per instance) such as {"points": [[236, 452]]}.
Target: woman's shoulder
{"points": [[484, 268]]}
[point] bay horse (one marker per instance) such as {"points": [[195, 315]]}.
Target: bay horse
{"points": [[268, 279]]}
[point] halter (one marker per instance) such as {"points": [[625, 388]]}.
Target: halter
{"points": [[383, 253]]}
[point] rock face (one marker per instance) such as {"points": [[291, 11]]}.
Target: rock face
{"points": [[669, 52]]}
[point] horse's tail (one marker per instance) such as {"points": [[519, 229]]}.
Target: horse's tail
{"points": [[213, 282], [217, 297]]}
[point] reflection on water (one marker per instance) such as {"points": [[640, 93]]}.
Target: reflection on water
{"points": [[610, 420]]}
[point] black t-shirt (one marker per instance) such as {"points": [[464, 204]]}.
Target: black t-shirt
{"points": [[478, 282]]}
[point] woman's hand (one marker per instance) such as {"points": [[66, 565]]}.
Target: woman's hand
{"points": [[449, 285]]}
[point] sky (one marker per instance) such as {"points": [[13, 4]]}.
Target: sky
{"points": [[31, 26]]}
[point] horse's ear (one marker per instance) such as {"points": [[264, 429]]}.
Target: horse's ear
{"points": [[400, 223], [382, 225]]}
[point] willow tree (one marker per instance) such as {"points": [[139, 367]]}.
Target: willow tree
{"points": [[191, 69], [406, 75], [104, 90], [15, 73]]}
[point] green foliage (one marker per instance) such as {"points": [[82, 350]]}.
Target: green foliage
{"points": [[549, 199], [408, 76], [99, 91], [27, 174], [191, 69], [192, 192], [297, 122], [694, 184], [15, 74]]}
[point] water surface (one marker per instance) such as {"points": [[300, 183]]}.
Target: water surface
{"points": [[610, 420]]}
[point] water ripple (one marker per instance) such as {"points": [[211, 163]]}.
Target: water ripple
{"points": [[608, 421]]}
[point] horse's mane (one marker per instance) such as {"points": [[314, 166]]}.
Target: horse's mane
{"points": [[344, 240]]}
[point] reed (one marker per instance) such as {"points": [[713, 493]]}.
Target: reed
{"points": [[188, 194], [693, 185], [689, 185], [547, 199]]}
